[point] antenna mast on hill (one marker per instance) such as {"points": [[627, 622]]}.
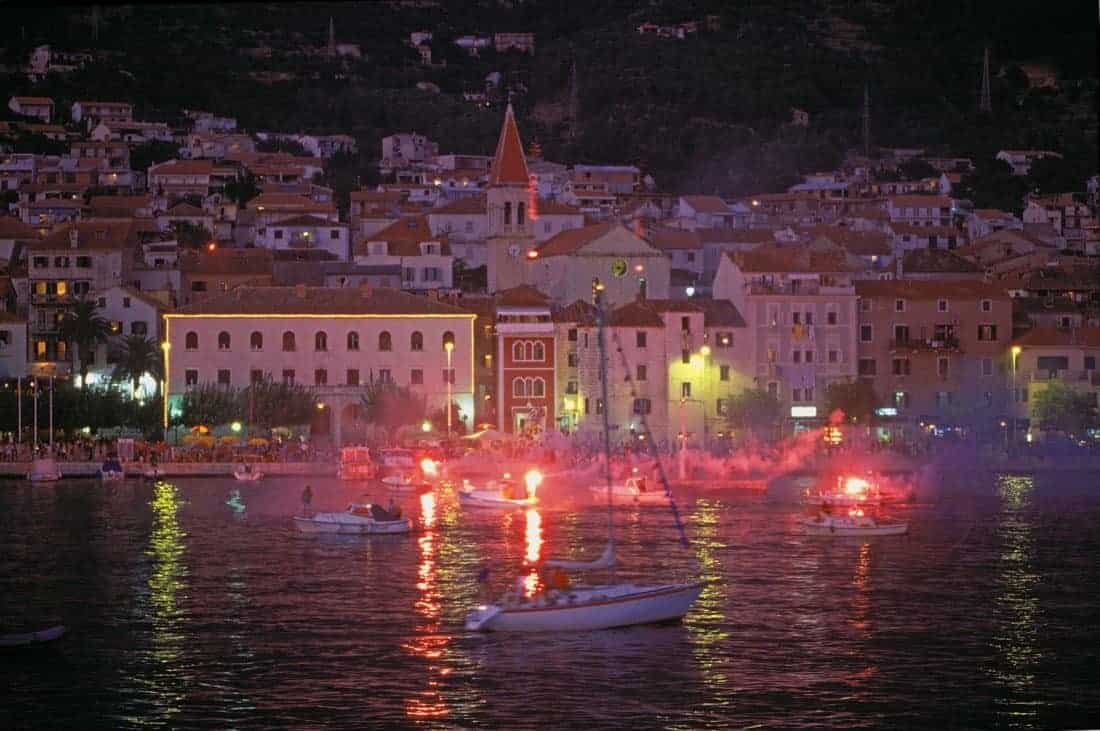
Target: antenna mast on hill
{"points": [[866, 120], [95, 23], [574, 101], [331, 36], [985, 103]]}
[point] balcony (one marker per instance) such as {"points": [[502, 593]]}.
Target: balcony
{"points": [[1065, 376], [948, 344]]}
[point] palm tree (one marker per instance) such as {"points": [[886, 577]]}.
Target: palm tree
{"points": [[83, 327], [137, 356]]}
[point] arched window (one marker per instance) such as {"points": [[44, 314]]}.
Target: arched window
{"points": [[528, 351], [320, 340], [223, 340], [519, 387], [385, 342], [416, 341], [256, 340], [191, 341], [288, 341], [538, 388], [448, 337], [520, 213], [517, 351], [353, 340], [507, 213]]}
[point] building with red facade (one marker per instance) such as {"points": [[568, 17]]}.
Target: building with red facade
{"points": [[526, 363]]}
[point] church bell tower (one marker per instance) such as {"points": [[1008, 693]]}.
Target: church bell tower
{"points": [[510, 200]]}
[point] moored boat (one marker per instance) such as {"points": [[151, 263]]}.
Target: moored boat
{"points": [[44, 470], [636, 491], [246, 473], [22, 639], [586, 608], [111, 470], [504, 494], [359, 518], [405, 483], [854, 524]]}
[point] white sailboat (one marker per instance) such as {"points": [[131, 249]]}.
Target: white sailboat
{"points": [[563, 608]]}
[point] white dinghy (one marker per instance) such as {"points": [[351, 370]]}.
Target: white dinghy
{"points": [[854, 524], [634, 492], [359, 518]]}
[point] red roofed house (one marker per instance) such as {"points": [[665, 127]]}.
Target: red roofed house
{"points": [[920, 210], [32, 106], [1055, 355], [800, 306], [425, 258], [526, 367], [306, 232]]}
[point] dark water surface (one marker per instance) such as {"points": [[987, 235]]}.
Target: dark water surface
{"points": [[185, 613]]}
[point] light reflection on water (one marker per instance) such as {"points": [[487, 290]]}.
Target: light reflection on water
{"points": [[189, 616], [1017, 606]]}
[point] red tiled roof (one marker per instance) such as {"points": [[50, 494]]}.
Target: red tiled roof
{"points": [[1082, 337], [860, 243], [573, 239], [668, 239], [707, 204], [522, 296], [509, 165], [309, 221], [13, 228], [936, 260], [463, 206], [769, 258], [736, 235], [227, 261], [90, 235], [580, 311], [301, 300], [551, 207], [903, 229], [183, 167], [922, 289]]}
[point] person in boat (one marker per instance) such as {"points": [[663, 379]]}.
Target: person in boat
{"points": [[641, 484], [307, 499], [394, 510]]}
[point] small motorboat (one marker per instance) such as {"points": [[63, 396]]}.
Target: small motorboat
{"points": [[32, 638], [111, 470], [245, 473], [584, 609], [504, 494], [360, 518], [44, 470], [634, 492], [853, 524], [405, 483]]}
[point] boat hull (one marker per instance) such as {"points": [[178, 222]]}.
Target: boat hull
{"points": [[350, 524], [593, 608], [478, 499], [628, 498], [886, 529], [32, 638]]}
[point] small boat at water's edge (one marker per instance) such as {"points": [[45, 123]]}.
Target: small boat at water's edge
{"points": [[44, 470], [851, 525], [23, 639]]}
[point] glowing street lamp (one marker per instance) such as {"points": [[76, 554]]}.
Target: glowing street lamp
{"points": [[449, 346], [1015, 351], [426, 426]]}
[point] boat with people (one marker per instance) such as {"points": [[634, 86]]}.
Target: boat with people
{"points": [[554, 605], [505, 493], [635, 491], [405, 483], [44, 469], [359, 518], [855, 523], [23, 639], [246, 473], [111, 470]]}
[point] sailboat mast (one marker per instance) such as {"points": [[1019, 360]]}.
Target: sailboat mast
{"points": [[597, 296]]}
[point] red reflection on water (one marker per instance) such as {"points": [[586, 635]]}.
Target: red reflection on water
{"points": [[427, 641], [532, 536]]}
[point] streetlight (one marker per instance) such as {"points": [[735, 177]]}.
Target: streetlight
{"points": [[1016, 350], [165, 347], [449, 346]]}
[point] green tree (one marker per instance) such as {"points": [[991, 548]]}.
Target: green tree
{"points": [[1059, 175], [992, 185], [270, 404], [242, 189], [152, 153], [917, 170], [392, 406], [754, 409], [1058, 407], [856, 399], [137, 356], [210, 404], [85, 328], [191, 235]]}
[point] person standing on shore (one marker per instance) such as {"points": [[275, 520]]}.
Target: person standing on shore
{"points": [[307, 500]]}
